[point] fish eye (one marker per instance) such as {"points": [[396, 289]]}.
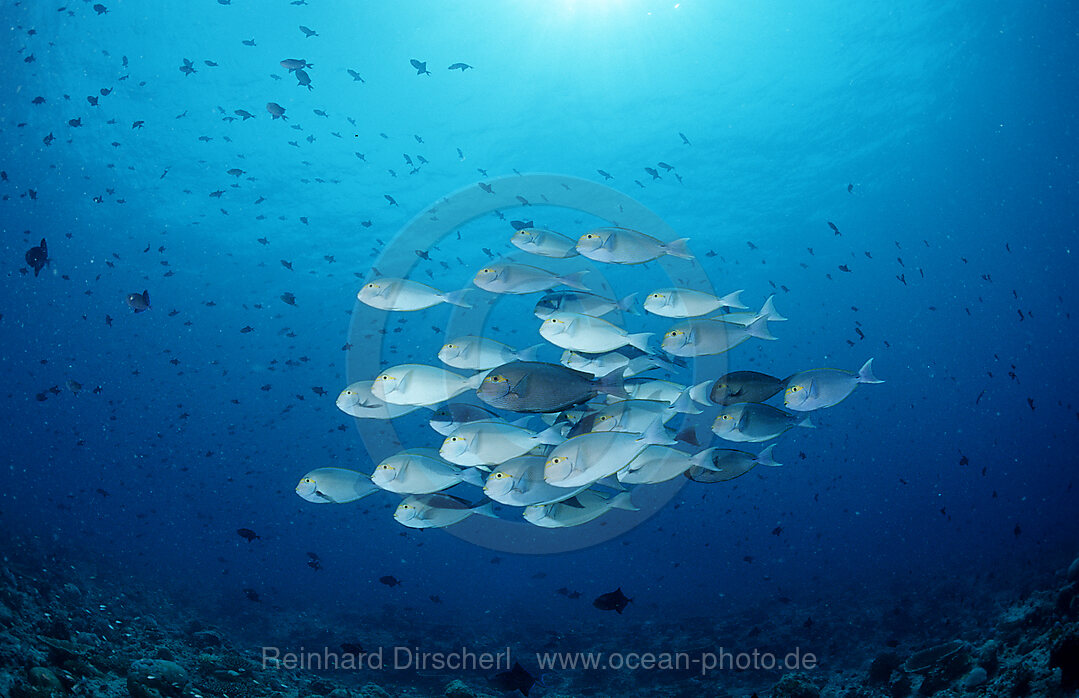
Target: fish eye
{"points": [[604, 418], [795, 388], [485, 271]]}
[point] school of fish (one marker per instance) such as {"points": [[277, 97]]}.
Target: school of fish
{"points": [[562, 444]]}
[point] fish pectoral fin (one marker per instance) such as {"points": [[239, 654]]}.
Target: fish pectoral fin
{"points": [[814, 389], [519, 387], [322, 495], [572, 502], [743, 421]]}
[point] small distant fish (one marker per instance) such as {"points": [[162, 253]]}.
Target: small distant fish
{"points": [[389, 580], [303, 79], [247, 534], [276, 110], [244, 113], [291, 64], [289, 298], [139, 302], [612, 601], [460, 66], [516, 679], [834, 228], [355, 76], [684, 139], [308, 33], [420, 66], [252, 595], [100, 9], [38, 256]]}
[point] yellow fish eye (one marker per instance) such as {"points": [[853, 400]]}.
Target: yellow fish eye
{"points": [[604, 418], [795, 388]]}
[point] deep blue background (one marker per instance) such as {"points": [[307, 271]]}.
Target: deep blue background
{"points": [[954, 121]]}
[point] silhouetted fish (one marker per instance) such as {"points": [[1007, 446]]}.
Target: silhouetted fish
{"points": [[139, 302], [247, 534], [516, 679], [612, 601], [420, 66], [37, 257]]}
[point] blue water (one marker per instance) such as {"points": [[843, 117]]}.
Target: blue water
{"points": [[953, 121]]}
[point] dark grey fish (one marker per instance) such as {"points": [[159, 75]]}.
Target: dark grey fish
{"points": [[727, 464], [535, 386], [420, 66], [738, 386], [303, 79], [37, 257], [139, 302], [448, 417]]}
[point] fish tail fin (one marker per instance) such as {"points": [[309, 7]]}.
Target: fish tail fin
{"points": [[656, 435], [640, 341], [700, 393], [684, 404], [474, 381], [806, 423], [551, 436], [623, 500], [612, 384], [457, 298], [627, 305], [734, 300], [146, 298], [688, 435], [865, 375], [575, 280], [472, 476], [768, 311], [703, 459], [765, 457], [487, 509], [641, 364], [530, 353], [759, 329], [677, 248]]}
